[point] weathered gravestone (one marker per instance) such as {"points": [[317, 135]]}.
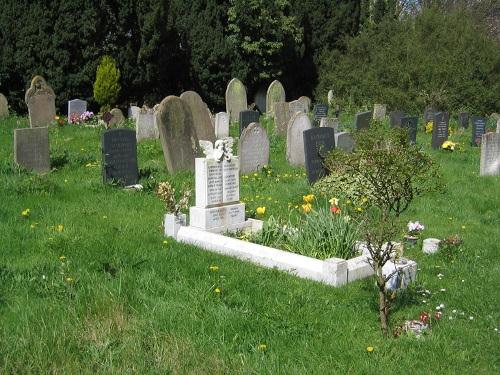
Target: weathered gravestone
{"points": [[490, 154], [478, 129], [236, 99], [330, 97], [463, 120], [117, 118], [177, 134], [281, 117], [40, 99], [306, 103], [439, 129], [362, 120], [76, 108], [379, 111], [395, 118], [246, 118], [221, 125], [330, 122], [295, 139], [253, 148], [317, 142], [201, 119], [344, 141], [429, 114], [296, 106], [498, 126], [260, 99], [31, 148], [133, 111], [275, 94], [4, 106], [319, 111], [145, 127], [410, 123], [119, 156]]}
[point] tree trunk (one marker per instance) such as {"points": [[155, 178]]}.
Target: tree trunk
{"points": [[383, 309]]}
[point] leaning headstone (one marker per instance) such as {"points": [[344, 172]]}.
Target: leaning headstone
{"points": [[119, 157], [362, 120], [201, 119], [260, 99], [490, 154], [221, 125], [76, 108], [330, 97], [40, 99], [463, 120], [246, 118], [439, 129], [344, 141], [410, 123], [330, 122], [478, 129], [295, 139], [317, 142], [133, 111], [306, 103], [319, 111], [117, 118], [275, 94], [145, 126], [31, 148], [253, 148], [395, 118], [4, 106], [177, 134], [281, 117], [379, 111], [236, 99]]}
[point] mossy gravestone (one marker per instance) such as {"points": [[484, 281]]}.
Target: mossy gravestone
{"points": [[236, 99], [40, 99], [295, 139], [281, 117], [119, 156], [275, 94], [117, 118], [362, 120], [177, 134], [253, 148], [201, 116], [4, 106], [31, 148]]}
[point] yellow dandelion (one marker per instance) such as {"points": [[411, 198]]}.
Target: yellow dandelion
{"points": [[69, 280], [262, 347], [359, 209], [370, 349], [217, 291], [364, 200], [213, 268], [104, 217], [428, 127], [463, 226], [60, 228], [26, 212], [261, 210], [62, 258], [165, 242]]}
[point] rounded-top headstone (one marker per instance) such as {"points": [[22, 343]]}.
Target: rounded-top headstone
{"points": [[330, 97], [295, 139], [117, 119], [4, 106], [253, 148], [201, 118], [275, 94], [306, 103], [177, 134], [236, 99], [40, 99]]}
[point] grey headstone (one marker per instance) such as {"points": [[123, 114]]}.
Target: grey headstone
{"points": [[490, 154], [246, 118], [330, 122], [236, 99], [145, 126], [330, 97], [133, 110], [295, 139], [253, 148], [275, 94], [117, 120], [221, 125], [395, 118], [429, 114], [177, 134], [478, 129], [260, 99], [498, 126], [319, 111], [344, 141], [306, 103], [410, 123], [317, 142], [362, 120], [201, 119], [31, 148], [379, 111], [119, 156], [76, 108], [281, 117], [40, 99], [463, 120], [4, 106], [439, 129]]}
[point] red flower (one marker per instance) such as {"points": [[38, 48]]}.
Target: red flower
{"points": [[335, 209], [424, 317]]}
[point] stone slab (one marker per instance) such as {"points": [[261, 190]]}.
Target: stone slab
{"points": [[201, 116], [4, 106], [215, 217], [490, 154], [31, 149], [439, 129], [246, 118], [119, 156], [295, 139], [221, 125], [344, 141], [478, 129], [362, 120], [253, 149], [76, 108]]}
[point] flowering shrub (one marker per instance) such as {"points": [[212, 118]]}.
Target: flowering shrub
{"points": [[167, 194]]}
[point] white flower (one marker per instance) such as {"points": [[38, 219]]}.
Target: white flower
{"points": [[471, 318]]}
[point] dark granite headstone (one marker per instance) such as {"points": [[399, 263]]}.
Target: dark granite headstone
{"points": [[440, 129], [119, 156], [463, 120], [260, 99], [319, 111], [395, 118], [317, 142], [478, 129], [362, 120], [246, 118], [410, 123]]}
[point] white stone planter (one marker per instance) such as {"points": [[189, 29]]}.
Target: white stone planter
{"points": [[173, 223]]}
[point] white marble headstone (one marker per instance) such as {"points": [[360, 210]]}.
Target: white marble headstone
{"points": [[221, 125], [490, 154]]}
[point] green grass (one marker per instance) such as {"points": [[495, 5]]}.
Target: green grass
{"points": [[135, 304]]}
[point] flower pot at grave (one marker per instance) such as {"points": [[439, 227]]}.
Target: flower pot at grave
{"points": [[411, 240], [173, 223]]}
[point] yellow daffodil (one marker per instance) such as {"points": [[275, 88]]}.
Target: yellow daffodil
{"points": [[26, 212], [261, 210], [308, 198], [334, 202], [307, 208], [448, 145], [428, 127], [213, 268]]}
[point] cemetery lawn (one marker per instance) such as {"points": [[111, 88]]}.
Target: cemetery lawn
{"points": [[88, 283]]}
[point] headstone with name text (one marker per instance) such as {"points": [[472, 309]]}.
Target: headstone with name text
{"points": [[319, 111], [463, 120], [253, 148], [221, 125], [247, 117], [490, 154], [439, 129], [478, 129], [40, 99], [410, 123], [362, 120], [317, 142], [275, 94], [201, 118], [295, 139], [119, 157], [236, 99], [296, 106], [76, 108], [31, 148]]}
